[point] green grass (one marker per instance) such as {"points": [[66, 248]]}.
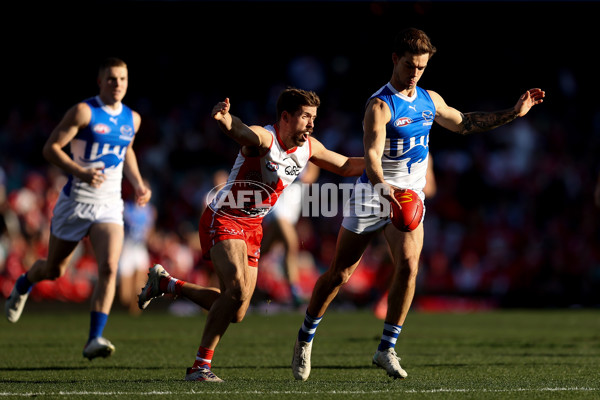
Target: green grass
{"points": [[493, 355]]}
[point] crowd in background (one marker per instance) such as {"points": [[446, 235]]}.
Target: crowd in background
{"points": [[512, 223]]}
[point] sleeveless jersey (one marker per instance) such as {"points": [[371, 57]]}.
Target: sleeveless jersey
{"points": [[406, 151], [138, 221], [102, 143], [255, 183]]}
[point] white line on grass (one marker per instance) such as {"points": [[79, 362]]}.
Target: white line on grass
{"points": [[312, 392]]}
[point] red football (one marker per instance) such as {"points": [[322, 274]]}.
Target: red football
{"points": [[408, 218]]}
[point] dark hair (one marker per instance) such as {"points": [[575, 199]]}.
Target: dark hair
{"points": [[413, 41], [292, 100], [110, 62]]}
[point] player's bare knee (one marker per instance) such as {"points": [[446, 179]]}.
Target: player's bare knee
{"points": [[107, 272], [409, 270], [340, 277]]}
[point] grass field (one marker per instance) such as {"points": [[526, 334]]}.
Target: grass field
{"points": [[492, 355]]}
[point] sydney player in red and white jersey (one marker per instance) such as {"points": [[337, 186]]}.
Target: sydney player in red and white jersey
{"points": [[269, 160]]}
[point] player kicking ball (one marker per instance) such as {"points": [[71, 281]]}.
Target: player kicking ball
{"points": [[269, 160], [396, 126]]}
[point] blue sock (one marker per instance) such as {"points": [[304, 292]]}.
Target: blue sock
{"points": [[97, 323], [23, 284], [389, 336], [308, 329]]}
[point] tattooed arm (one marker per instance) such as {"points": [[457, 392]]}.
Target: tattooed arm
{"points": [[452, 119]]}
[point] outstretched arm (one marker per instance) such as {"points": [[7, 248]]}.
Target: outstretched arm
{"points": [[473, 122], [335, 162], [233, 127]]}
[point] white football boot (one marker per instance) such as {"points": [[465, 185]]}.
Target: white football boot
{"points": [[152, 288], [301, 360], [389, 360], [201, 375], [14, 305], [98, 347]]}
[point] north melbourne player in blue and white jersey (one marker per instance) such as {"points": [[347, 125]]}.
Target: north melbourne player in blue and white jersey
{"points": [[99, 132], [396, 127]]}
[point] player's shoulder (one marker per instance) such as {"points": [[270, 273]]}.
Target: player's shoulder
{"points": [[433, 94], [315, 147], [80, 113], [436, 98], [314, 141], [265, 133]]}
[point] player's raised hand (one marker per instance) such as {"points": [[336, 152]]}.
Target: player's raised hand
{"points": [[221, 110], [529, 99]]}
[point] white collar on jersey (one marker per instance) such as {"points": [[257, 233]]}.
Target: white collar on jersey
{"points": [[109, 110], [402, 96]]}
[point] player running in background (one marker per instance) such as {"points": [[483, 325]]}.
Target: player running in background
{"points": [[133, 265], [396, 126], [269, 160], [281, 226], [100, 132]]}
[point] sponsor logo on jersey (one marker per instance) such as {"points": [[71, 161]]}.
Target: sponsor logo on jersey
{"points": [[101, 128], [292, 170], [400, 122], [272, 166]]}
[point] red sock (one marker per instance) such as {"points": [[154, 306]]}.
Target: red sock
{"points": [[203, 358], [168, 284]]}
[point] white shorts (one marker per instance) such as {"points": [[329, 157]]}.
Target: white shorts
{"points": [[289, 204], [364, 213], [72, 220], [134, 257]]}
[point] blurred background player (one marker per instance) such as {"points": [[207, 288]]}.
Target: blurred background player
{"points": [[100, 133], [269, 160], [135, 258], [396, 125], [280, 226]]}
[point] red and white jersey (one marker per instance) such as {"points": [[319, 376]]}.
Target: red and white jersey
{"points": [[255, 183]]}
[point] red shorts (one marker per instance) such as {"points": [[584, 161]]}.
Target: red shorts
{"points": [[214, 228]]}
